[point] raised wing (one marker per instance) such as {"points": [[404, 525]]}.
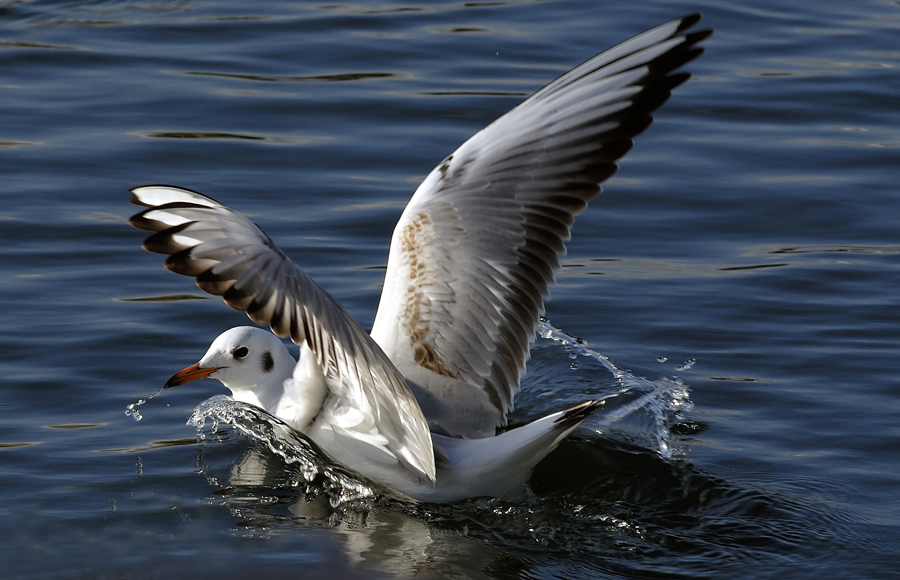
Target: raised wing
{"points": [[476, 249], [232, 258]]}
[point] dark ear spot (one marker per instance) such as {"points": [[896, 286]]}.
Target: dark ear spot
{"points": [[268, 363]]}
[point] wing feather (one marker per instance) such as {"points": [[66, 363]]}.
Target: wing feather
{"points": [[231, 257], [479, 243]]}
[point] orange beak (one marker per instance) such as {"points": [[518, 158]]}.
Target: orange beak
{"points": [[192, 373]]}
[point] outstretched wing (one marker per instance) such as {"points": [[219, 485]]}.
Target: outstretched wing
{"points": [[477, 247], [232, 258]]}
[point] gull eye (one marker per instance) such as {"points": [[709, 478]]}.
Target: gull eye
{"points": [[240, 352]]}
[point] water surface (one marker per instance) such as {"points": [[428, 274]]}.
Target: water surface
{"points": [[752, 229]]}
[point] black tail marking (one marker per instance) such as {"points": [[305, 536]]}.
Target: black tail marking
{"points": [[577, 414]]}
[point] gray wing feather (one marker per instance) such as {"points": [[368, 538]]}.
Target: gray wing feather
{"points": [[476, 249], [232, 258]]}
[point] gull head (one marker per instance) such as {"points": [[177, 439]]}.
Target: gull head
{"points": [[252, 363]]}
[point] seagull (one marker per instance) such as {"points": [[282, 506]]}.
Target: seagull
{"points": [[420, 404]]}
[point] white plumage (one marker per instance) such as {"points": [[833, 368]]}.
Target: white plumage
{"points": [[417, 405]]}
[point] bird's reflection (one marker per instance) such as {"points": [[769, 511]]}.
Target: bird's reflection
{"points": [[378, 535]]}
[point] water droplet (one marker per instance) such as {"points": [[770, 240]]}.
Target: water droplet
{"points": [[686, 364], [661, 359], [132, 409]]}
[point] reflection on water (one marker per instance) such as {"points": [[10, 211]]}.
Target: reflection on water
{"points": [[267, 495]]}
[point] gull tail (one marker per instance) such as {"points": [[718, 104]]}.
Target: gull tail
{"points": [[498, 466], [571, 418]]}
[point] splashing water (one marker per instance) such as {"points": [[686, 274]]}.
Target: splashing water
{"points": [[662, 399], [132, 409], [339, 483], [686, 364]]}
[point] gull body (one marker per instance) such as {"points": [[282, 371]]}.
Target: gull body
{"points": [[259, 370], [418, 404]]}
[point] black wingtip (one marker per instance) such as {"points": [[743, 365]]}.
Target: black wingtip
{"points": [[695, 37], [689, 20], [698, 36], [574, 416]]}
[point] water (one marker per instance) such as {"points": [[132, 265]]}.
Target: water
{"points": [[746, 250]]}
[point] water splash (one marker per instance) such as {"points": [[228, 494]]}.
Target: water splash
{"points": [[131, 410], [662, 400], [339, 483], [686, 364]]}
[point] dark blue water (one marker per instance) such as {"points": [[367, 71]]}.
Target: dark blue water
{"points": [[753, 228]]}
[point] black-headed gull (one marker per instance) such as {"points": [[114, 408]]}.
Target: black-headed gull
{"points": [[417, 404]]}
